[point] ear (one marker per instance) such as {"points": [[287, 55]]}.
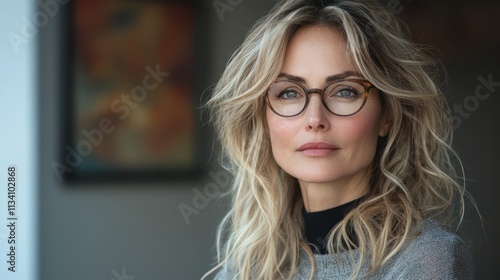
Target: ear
{"points": [[384, 125]]}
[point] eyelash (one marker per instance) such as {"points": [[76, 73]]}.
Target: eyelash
{"points": [[351, 89], [285, 91]]}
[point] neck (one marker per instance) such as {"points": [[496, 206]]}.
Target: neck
{"points": [[322, 196]]}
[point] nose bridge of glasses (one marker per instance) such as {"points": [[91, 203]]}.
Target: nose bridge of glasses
{"points": [[319, 92], [321, 102], [314, 90]]}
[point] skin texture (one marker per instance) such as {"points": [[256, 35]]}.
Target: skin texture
{"points": [[327, 178]]}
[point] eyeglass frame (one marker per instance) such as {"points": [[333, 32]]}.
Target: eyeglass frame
{"points": [[365, 83]]}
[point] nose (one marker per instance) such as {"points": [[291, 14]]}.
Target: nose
{"points": [[316, 114]]}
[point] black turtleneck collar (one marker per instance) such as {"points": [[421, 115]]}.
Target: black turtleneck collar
{"points": [[319, 224]]}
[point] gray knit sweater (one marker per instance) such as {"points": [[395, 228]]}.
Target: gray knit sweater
{"points": [[434, 254]]}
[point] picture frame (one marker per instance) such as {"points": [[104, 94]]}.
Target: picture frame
{"points": [[132, 83]]}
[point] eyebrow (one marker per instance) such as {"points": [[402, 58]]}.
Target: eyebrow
{"points": [[331, 78]]}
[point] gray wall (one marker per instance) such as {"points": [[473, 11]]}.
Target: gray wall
{"points": [[87, 232]]}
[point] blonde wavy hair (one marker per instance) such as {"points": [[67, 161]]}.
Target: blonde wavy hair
{"points": [[413, 176]]}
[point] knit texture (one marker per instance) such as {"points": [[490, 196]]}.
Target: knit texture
{"points": [[433, 254]]}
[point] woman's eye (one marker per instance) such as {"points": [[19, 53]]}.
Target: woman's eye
{"points": [[347, 93], [289, 94]]}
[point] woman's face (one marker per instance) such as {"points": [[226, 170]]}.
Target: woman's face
{"points": [[349, 143]]}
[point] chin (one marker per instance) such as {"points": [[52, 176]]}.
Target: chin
{"points": [[315, 176]]}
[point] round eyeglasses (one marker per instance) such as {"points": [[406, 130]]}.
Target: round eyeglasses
{"points": [[344, 97]]}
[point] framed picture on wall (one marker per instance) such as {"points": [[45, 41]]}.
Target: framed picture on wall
{"points": [[135, 81]]}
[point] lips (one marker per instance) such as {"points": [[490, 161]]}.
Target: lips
{"points": [[317, 145], [317, 148]]}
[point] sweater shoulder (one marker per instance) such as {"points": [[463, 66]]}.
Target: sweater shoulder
{"points": [[434, 239], [433, 252], [432, 231]]}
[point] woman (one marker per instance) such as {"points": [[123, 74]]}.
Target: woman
{"points": [[339, 142]]}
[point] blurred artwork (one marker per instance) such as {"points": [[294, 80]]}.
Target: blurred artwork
{"points": [[133, 101]]}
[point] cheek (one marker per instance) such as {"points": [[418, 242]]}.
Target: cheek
{"points": [[276, 128], [280, 133], [360, 132]]}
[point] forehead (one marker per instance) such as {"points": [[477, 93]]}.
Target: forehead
{"points": [[316, 52]]}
